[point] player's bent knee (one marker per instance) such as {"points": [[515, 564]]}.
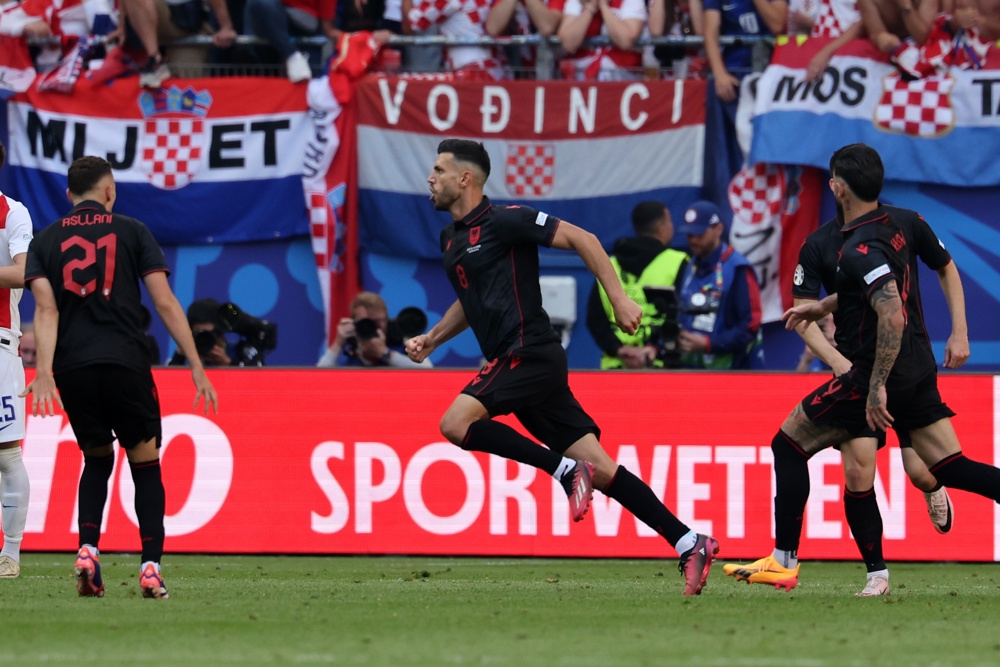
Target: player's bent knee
{"points": [[454, 429]]}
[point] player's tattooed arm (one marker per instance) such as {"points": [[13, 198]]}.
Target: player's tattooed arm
{"points": [[891, 321]]}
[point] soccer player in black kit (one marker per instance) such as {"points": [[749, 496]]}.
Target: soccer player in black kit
{"points": [[817, 269], [491, 257], [893, 379], [84, 271]]}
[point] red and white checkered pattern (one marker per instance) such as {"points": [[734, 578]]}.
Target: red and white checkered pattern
{"points": [[920, 108], [458, 19], [172, 150], [826, 23], [757, 193], [530, 169]]}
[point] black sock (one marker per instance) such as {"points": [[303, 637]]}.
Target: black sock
{"points": [[791, 478], [865, 520], [150, 505], [92, 495], [636, 496], [497, 438], [958, 472]]}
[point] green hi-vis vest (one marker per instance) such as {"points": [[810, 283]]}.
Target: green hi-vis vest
{"points": [[661, 272]]}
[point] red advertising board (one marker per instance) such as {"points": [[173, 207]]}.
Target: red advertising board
{"points": [[351, 462]]}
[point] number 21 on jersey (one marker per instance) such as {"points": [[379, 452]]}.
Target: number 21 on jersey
{"points": [[108, 245]]}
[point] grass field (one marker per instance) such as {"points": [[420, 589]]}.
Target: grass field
{"points": [[434, 611]]}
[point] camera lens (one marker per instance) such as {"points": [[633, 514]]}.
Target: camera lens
{"points": [[365, 328], [204, 341]]}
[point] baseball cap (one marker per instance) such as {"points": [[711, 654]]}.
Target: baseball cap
{"points": [[699, 216]]}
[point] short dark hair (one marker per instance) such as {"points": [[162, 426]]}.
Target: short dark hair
{"points": [[85, 172], [204, 311], [646, 216], [466, 150], [860, 166]]}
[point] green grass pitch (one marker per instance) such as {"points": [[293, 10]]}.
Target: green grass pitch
{"points": [[438, 611]]}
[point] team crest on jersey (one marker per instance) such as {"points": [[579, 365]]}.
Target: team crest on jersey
{"points": [[474, 235], [530, 169], [800, 275], [172, 148]]}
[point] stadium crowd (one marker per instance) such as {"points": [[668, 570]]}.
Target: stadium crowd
{"points": [[156, 39]]}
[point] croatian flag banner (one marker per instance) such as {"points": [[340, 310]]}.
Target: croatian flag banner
{"points": [[939, 129], [583, 152], [199, 161]]}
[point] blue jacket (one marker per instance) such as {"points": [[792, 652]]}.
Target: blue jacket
{"points": [[720, 298]]}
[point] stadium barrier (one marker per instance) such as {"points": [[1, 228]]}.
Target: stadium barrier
{"points": [[351, 462]]}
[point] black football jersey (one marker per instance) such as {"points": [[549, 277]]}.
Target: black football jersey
{"points": [[94, 260], [876, 251], [491, 258], [818, 257]]}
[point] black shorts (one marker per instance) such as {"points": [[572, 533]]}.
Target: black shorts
{"points": [[105, 401], [841, 403], [923, 408], [533, 384]]}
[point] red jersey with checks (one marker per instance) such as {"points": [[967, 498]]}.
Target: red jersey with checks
{"points": [[457, 19]]}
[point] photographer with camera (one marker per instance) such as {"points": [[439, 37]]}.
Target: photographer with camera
{"points": [[643, 262], [368, 338], [210, 321], [720, 308]]}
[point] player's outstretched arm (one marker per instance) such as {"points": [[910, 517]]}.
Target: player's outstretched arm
{"points": [[44, 396], [956, 350], [809, 311], [817, 342], [628, 314], [452, 323], [175, 320]]}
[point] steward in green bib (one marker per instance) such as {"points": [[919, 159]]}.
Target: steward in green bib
{"points": [[641, 261]]}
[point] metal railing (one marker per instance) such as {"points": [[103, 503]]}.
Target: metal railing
{"points": [[547, 50]]}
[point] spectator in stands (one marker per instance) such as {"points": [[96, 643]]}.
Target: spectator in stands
{"points": [[28, 349], [65, 20], [368, 338], [621, 21], [459, 19], [738, 19], [929, 37], [150, 22], [522, 17], [643, 260], [422, 58], [281, 21], [357, 15], [678, 18], [837, 19], [719, 299], [889, 22]]}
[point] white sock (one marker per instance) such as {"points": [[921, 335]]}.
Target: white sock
{"points": [[142, 568], [686, 543], [564, 467], [879, 573], [787, 559], [94, 550], [14, 493]]}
